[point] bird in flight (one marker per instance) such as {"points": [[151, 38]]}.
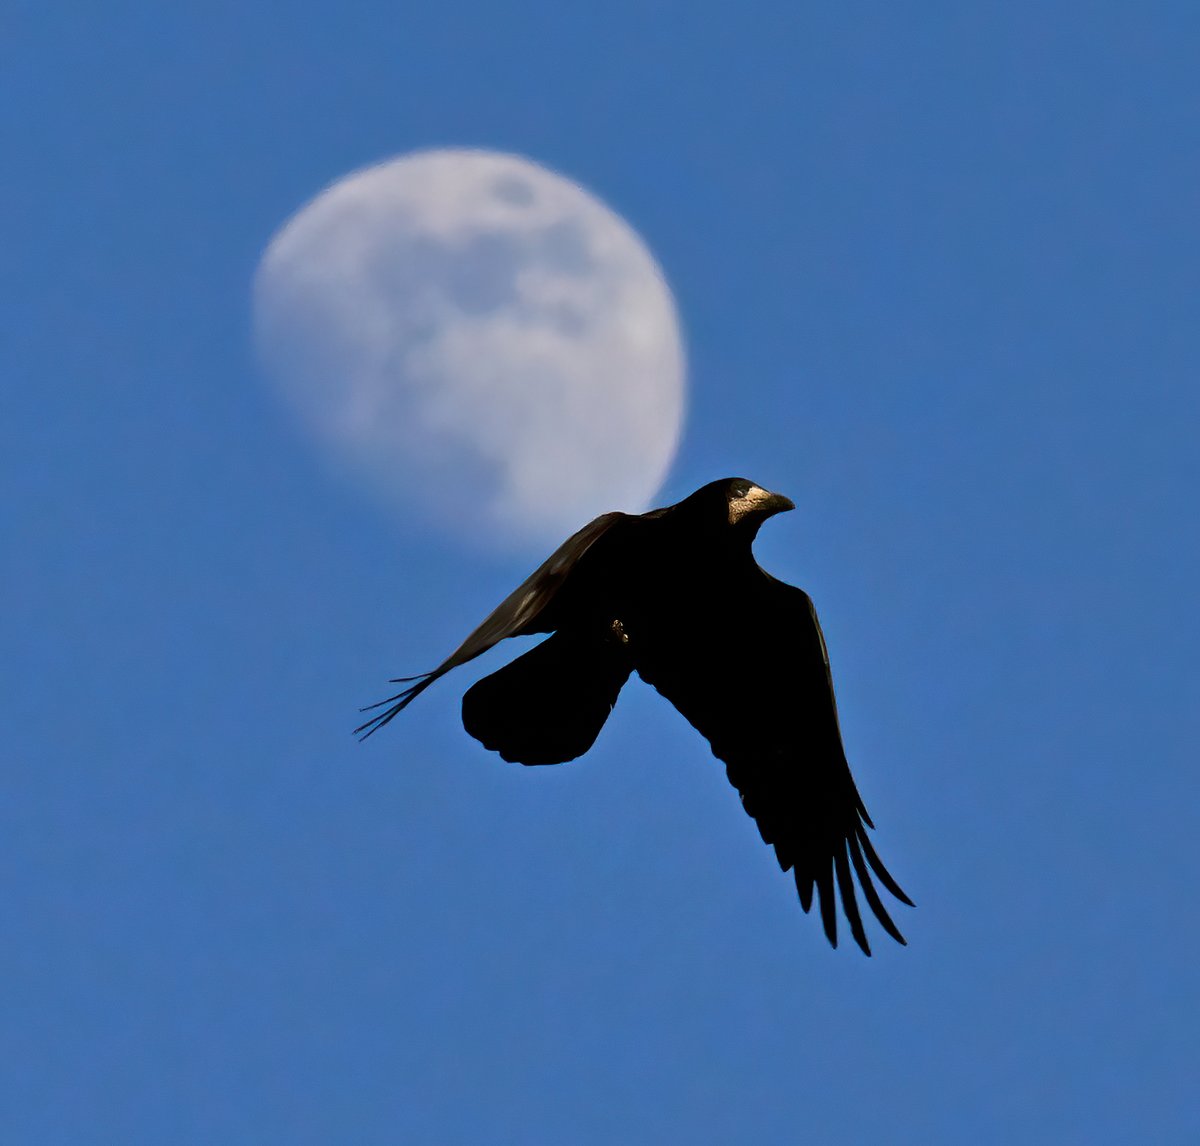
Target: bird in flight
{"points": [[676, 596]]}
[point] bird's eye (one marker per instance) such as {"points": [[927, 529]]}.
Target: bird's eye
{"points": [[740, 489]]}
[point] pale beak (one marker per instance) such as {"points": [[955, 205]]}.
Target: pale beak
{"points": [[775, 503]]}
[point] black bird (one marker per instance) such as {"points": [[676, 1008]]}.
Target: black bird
{"points": [[676, 595]]}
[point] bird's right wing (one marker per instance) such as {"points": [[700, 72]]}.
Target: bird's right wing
{"points": [[755, 681], [517, 615]]}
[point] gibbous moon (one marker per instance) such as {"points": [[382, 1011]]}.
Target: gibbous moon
{"points": [[480, 340]]}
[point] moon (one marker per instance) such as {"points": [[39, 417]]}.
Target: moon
{"points": [[478, 340]]}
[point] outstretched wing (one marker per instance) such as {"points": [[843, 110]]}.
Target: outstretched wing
{"points": [[758, 686], [517, 615]]}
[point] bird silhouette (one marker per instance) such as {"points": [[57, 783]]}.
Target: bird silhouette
{"points": [[676, 596]]}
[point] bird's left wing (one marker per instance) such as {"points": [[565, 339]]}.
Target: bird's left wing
{"points": [[518, 614], [756, 682]]}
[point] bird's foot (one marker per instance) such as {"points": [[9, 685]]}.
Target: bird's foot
{"points": [[618, 633]]}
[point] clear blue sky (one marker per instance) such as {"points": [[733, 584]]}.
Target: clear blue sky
{"points": [[940, 270]]}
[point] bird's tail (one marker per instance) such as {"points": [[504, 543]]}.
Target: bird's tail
{"points": [[549, 704]]}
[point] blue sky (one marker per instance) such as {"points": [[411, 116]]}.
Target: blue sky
{"points": [[938, 266]]}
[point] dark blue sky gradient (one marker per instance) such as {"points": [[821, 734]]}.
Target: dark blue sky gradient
{"points": [[939, 266]]}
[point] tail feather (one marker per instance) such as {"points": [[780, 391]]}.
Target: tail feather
{"points": [[549, 704]]}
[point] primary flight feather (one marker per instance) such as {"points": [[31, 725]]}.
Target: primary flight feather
{"points": [[676, 596]]}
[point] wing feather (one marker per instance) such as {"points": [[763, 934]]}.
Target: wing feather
{"points": [[520, 613], [758, 685]]}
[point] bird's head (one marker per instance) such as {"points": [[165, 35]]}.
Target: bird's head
{"points": [[738, 504], [749, 505]]}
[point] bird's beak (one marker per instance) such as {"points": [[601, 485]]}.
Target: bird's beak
{"points": [[775, 503], [757, 505]]}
